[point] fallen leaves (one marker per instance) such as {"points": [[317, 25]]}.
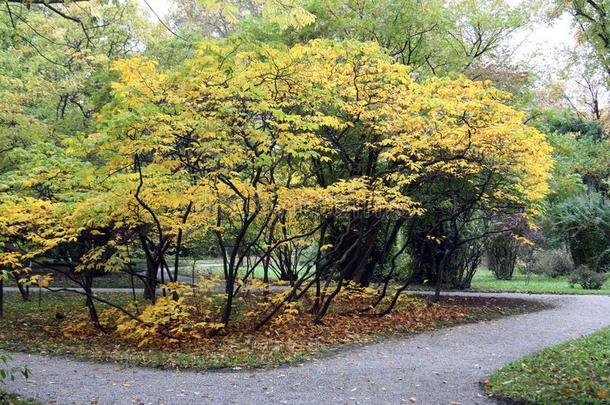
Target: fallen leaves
{"points": [[294, 340]]}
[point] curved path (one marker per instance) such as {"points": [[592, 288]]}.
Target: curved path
{"points": [[441, 367]]}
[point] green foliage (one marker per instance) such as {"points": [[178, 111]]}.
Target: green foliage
{"points": [[12, 399], [9, 372], [434, 37], [593, 18], [583, 222], [587, 278], [582, 163], [566, 122], [553, 263], [575, 372]]}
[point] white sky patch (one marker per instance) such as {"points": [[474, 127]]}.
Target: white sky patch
{"points": [[544, 43], [161, 7]]}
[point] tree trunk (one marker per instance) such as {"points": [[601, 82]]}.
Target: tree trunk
{"points": [[230, 289], [439, 276], [150, 282], [23, 290], [88, 287], [359, 268]]}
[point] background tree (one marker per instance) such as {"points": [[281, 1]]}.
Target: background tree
{"points": [[593, 19]]}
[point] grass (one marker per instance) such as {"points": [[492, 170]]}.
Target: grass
{"points": [[30, 328], [207, 267], [484, 280], [576, 372], [111, 280]]}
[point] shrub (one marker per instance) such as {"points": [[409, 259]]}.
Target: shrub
{"points": [[515, 237], [583, 222], [464, 264], [587, 278], [181, 315], [553, 263], [502, 256]]}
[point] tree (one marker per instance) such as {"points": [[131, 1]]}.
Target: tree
{"points": [[220, 19], [324, 160], [242, 130], [53, 80], [593, 19]]}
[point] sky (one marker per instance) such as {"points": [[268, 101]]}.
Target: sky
{"points": [[543, 46]]}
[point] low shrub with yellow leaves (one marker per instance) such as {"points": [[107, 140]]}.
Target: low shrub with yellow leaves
{"points": [[174, 318], [289, 315], [410, 302], [353, 293]]}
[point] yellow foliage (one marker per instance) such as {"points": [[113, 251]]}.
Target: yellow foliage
{"points": [[173, 318], [41, 280], [353, 291], [246, 122]]}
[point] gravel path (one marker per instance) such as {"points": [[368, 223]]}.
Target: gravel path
{"points": [[441, 367]]}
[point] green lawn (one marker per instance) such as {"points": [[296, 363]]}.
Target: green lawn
{"points": [[214, 267], [111, 280], [484, 280], [576, 372]]}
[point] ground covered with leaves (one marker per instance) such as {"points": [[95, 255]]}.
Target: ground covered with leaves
{"points": [[575, 372], [56, 325]]}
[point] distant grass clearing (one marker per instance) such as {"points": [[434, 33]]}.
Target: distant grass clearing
{"points": [[484, 280]]}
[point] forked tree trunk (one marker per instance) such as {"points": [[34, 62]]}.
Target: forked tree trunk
{"points": [[23, 290]]}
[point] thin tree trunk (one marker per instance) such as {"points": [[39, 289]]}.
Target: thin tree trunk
{"points": [[25, 292], [88, 287], [226, 314], [193, 271]]}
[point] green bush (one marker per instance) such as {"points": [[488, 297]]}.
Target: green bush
{"points": [[502, 254], [583, 222], [553, 263], [587, 278]]}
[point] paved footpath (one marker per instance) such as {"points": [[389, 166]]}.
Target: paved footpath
{"points": [[441, 367]]}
